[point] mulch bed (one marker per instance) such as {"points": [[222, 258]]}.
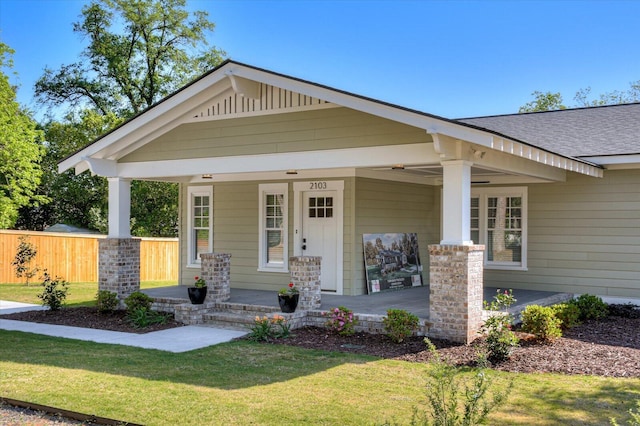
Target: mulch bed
{"points": [[608, 347]]}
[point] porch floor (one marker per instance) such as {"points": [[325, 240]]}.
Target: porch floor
{"points": [[414, 300]]}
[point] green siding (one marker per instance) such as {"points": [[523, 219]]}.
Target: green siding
{"points": [[584, 237], [334, 128], [383, 207]]}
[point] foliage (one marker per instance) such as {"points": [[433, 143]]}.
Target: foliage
{"points": [[500, 340], [106, 301], [141, 317], [567, 313], [138, 300], [591, 307], [20, 151], [289, 290], [400, 324], [25, 254], [446, 389], [265, 329], [543, 102], [501, 301], [137, 53], [341, 321], [542, 322], [634, 419], [199, 282], [54, 292], [632, 94]]}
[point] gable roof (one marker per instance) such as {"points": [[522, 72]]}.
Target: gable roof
{"points": [[580, 132], [102, 155]]}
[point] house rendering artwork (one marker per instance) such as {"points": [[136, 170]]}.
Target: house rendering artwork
{"points": [[273, 168]]}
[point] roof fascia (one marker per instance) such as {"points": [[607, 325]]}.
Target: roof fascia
{"points": [[616, 162]]}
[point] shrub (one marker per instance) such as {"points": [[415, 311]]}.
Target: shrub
{"points": [[54, 292], [142, 317], [591, 307], [25, 254], [541, 321], [264, 329], [567, 313], [138, 300], [634, 416], [447, 389], [501, 340], [400, 324], [106, 301], [341, 321]]}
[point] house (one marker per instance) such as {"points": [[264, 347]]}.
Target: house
{"points": [[274, 168], [391, 260]]}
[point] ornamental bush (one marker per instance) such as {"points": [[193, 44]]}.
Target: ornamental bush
{"points": [[591, 307], [106, 301], [54, 292], [542, 322], [341, 321], [400, 324], [138, 300], [567, 313]]}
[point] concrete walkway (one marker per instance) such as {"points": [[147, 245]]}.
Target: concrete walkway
{"points": [[180, 339]]}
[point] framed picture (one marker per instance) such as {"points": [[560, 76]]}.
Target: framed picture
{"points": [[392, 261]]}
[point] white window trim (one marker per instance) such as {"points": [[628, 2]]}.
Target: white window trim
{"points": [[483, 194], [191, 192], [263, 190]]}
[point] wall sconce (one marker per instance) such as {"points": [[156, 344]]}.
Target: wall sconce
{"points": [[292, 172], [207, 176], [397, 167]]}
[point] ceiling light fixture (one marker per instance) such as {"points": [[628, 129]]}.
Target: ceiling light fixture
{"points": [[207, 176], [292, 172], [397, 167]]}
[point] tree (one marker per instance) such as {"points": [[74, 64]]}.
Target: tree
{"points": [[543, 102], [610, 98], [20, 150], [25, 254], [139, 51]]}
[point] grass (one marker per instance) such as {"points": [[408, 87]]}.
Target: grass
{"points": [[250, 383], [80, 294]]}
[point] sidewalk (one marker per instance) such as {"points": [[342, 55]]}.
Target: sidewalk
{"points": [[180, 339]]}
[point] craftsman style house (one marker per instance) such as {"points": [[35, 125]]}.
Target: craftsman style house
{"points": [[272, 167]]}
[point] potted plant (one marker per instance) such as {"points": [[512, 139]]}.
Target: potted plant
{"points": [[198, 292], [288, 298]]}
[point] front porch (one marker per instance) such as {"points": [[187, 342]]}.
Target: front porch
{"points": [[244, 305]]}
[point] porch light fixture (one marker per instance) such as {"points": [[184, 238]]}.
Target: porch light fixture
{"points": [[207, 176], [292, 172], [397, 167]]}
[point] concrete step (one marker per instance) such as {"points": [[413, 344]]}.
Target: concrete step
{"points": [[250, 310]]}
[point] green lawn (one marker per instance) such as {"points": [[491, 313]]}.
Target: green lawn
{"points": [[250, 383], [80, 294]]}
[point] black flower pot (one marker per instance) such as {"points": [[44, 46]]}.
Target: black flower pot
{"points": [[197, 294], [288, 302]]}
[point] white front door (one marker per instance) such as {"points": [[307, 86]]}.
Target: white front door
{"points": [[319, 232]]}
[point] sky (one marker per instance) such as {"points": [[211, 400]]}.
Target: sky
{"points": [[450, 58]]}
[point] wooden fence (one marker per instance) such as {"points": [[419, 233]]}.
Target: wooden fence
{"points": [[74, 257]]}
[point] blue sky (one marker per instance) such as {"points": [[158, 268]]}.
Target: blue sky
{"points": [[450, 58]]}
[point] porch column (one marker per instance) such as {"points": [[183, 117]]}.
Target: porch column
{"points": [[456, 291], [456, 265], [456, 202], [119, 207], [305, 274], [215, 270], [119, 254]]}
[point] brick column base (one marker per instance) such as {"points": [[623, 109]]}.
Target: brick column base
{"points": [[456, 291], [119, 266], [305, 274], [215, 270]]}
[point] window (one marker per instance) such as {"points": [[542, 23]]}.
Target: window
{"points": [[273, 238], [200, 217], [499, 221]]}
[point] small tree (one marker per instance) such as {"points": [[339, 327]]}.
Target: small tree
{"points": [[25, 254]]}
